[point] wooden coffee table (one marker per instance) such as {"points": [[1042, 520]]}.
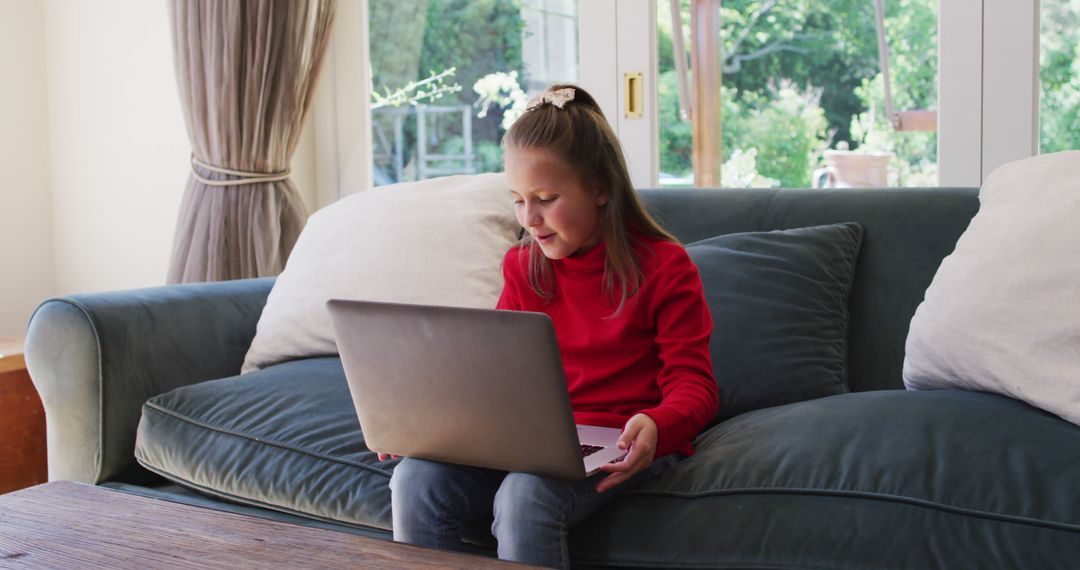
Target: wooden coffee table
{"points": [[71, 525]]}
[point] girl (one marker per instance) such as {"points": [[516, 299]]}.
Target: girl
{"points": [[632, 327]]}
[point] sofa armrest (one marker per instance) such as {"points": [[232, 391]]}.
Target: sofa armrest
{"points": [[96, 358]]}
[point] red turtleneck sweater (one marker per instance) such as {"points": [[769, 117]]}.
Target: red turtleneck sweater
{"points": [[652, 358]]}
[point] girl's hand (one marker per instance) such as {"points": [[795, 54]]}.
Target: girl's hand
{"points": [[639, 436], [385, 456]]}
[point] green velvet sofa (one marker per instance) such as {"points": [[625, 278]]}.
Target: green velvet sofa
{"points": [[143, 394]]}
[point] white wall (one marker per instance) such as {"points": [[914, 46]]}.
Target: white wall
{"points": [[26, 242], [93, 149], [117, 144]]}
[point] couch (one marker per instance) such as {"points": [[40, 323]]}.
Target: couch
{"points": [[143, 394]]}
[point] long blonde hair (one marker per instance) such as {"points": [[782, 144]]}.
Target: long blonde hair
{"points": [[579, 135]]}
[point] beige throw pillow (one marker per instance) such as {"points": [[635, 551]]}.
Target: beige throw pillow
{"points": [[439, 242], [1003, 312]]}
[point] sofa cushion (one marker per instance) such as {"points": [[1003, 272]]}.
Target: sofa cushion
{"points": [[870, 479], [285, 437], [906, 233], [1003, 312], [888, 479], [779, 303], [439, 241]]}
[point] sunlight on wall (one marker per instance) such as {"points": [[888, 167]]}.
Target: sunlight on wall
{"points": [[26, 262], [117, 144]]}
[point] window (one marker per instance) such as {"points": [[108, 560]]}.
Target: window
{"points": [[803, 97], [1059, 76], [449, 76]]}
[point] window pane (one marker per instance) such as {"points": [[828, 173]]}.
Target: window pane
{"points": [[803, 97], [449, 76], [1059, 76]]}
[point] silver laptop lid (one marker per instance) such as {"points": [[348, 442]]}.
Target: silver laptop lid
{"points": [[469, 386]]}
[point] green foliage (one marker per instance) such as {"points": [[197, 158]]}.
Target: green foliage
{"points": [[488, 156], [915, 162], [911, 29], [415, 92], [415, 40], [396, 35], [740, 171], [787, 128], [676, 139], [476, 36], [824, 58], [1059, 74], [827, 46], [782, 134]]}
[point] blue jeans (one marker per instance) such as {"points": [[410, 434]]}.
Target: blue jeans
{"points": [[431, 500]]}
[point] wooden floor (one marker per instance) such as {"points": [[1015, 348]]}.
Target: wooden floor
{"points": [[71, 525]]}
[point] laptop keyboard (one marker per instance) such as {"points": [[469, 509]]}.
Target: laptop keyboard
{"points": [[587, 450]]}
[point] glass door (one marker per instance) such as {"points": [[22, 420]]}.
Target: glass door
{"points": [[837, 93], [450, 76], [1059, 75]]}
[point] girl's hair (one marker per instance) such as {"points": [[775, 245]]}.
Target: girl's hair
{"points": [[577, 133]]}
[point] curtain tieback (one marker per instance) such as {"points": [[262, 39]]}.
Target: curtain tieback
{"points": [[245, 177]]}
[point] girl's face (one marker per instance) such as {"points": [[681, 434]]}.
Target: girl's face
{"points": [[552, 204]]}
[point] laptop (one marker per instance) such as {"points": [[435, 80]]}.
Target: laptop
{"points": [[468, 386]]}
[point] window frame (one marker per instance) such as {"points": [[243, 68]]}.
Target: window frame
{"points": [[988, 89]]}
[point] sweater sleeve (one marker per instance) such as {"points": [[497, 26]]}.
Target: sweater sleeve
{"points": [[683, 328]]}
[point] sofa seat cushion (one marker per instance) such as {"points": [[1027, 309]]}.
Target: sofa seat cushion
{"points": [[868, 479], [285, 437], [863, 480]]}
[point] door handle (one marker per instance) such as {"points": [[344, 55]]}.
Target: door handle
{"points": [[634, 99]]}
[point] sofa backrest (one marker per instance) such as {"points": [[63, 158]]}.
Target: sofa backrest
{"points": [[907, 232]]}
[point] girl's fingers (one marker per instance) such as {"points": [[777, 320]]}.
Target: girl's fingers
{"points": [[610, 481], [617, 467], [625, 464], [619, 472], [629, 434]]}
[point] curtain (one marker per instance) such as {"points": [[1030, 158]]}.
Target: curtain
{"points": [[246, 71]]}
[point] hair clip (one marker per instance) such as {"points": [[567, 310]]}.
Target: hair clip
{"points": [[558, 98]]}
